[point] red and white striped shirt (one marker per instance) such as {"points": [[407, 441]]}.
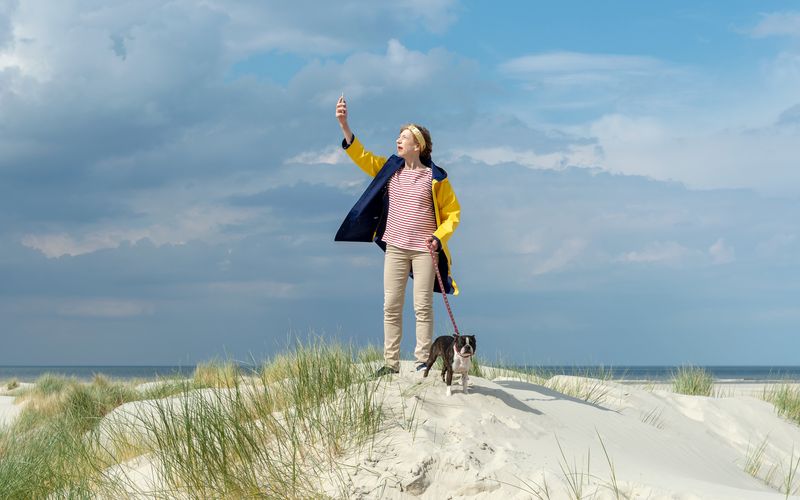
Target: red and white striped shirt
{"points": [[411, 219]]}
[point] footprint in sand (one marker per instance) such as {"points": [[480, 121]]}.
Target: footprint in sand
{"points": [[491, 418], [474, 489]]}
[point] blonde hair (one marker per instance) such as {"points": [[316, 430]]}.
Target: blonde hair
{"points": [[426, 145]]}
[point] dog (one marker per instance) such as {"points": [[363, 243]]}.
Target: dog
{"points": [[456, 352]]}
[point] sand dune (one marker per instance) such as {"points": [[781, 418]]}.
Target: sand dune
{"points": [[510, 438], [8, 410], [505, 439]]}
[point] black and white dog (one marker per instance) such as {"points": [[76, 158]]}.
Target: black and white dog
{"points": [[456, 352]]}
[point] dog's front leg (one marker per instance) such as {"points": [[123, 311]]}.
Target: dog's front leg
{"points": [[464, 382], [449, 381]]}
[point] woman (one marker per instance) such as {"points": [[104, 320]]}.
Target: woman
{"points": [[409, 210]]}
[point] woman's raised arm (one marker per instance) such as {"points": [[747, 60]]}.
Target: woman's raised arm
{"points": [[341, 115]]}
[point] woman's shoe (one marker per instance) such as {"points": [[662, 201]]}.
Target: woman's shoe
{"points": [[385, 371]]}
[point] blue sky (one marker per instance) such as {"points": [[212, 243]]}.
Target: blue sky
{"points": [[171, 181]]}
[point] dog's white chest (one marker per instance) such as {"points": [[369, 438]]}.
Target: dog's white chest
{"points": [[461, 364]]}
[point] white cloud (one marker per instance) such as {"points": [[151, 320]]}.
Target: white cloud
{"points": [[368, 74], [400, 83], [777, 24], [790, 116], [197, 222], [721, 253], [576, 62], [575, 79], [569, 82], [565, 254], [761, 159], [667, 122], [151, 121], [332, 155], [669, 251], [436, 15], [309, 27], [783, 81], [528, 244], [575, 155], [54, 245]]}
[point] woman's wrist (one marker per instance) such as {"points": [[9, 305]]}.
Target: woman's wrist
{"points": [[348, 134]]}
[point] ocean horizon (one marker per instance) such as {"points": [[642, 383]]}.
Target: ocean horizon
{"points": [[627, 373]]}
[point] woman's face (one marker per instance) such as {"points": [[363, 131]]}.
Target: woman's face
{"points": [[406, 144]]}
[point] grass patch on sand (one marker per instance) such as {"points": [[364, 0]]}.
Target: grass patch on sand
{"points": [[273, 433], [576, 479], [44, 452], [12, 384], [786, 399], [774, 472], [653, 417], [587, 384], [475, 368], [754, 459], [692, 381], [217, 374]]}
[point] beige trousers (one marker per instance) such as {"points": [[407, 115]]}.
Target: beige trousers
{"points": [[398, 262]]}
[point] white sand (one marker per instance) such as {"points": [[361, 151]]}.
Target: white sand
{"points": [[506, 433], [8, 410], [723, 389], [502, 441], [133, 421]]}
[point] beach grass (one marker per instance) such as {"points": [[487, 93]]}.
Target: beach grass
{"points": [[692, 381], [216, 374], [475, 368], [788, 484], [44, 452], [575, 479], [12, 384], [653, 417], [265, 437], [275, 432], [778, 476], [574, 475], [613, 485], [786, 399], [754, 458], [282, 428], [587, 384]]}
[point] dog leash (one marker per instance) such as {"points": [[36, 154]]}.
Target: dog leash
{"points": [[444, 293], [447, 303]]}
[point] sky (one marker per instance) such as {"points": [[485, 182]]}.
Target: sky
{"points": [[171, 177]]}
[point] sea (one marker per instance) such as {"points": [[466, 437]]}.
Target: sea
{"points": [[721, 374]]}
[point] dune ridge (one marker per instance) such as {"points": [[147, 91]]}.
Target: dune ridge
{"points": [[513, 437]]}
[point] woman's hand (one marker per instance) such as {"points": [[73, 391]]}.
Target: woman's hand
{"points": [[341, 115], [432, 243], [341, 111]]}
